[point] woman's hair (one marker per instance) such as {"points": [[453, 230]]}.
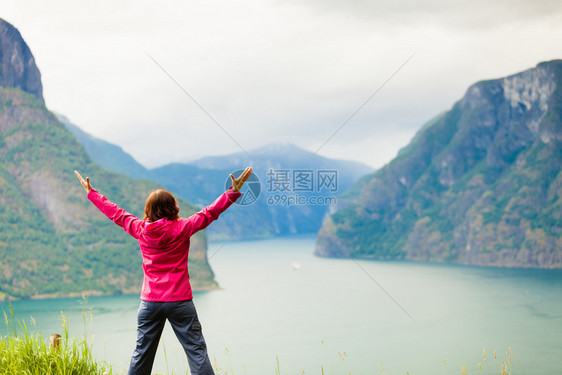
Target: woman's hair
{"points": [[160, 204]]}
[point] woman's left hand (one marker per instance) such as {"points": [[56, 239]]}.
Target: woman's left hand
{"points": [[85, 183], [237, 183]]}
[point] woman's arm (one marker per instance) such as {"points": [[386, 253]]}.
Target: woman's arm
{"points": [[206, 216], [201, 220], [130, 223]]}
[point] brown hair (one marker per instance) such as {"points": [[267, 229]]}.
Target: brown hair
{"points": [[160, 204]]}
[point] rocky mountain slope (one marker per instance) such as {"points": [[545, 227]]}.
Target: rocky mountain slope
{"points": [[53, 242], [17, 65], [480, 184]]}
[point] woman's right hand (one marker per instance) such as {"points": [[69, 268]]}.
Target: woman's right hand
{"points": [[85, 183]]}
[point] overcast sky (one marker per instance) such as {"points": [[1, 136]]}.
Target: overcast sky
{"points": [[273, 71]]}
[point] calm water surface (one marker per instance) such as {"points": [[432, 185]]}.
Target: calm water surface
{"points": [[308, 318]]}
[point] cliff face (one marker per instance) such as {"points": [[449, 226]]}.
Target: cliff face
{"points": [[480, 184], [17, 65]]}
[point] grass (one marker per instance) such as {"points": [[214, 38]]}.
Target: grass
{"points": [[25, 353]]}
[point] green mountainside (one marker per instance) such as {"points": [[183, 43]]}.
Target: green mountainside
{"points": [[480, 184], [53, 241]]}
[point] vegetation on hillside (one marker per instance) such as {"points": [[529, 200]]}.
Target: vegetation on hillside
{"points": [[52, 240]]}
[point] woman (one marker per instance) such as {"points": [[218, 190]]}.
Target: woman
{"points": [[166, 292]]}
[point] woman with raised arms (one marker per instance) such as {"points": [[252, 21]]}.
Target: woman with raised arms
{"points": [[166, 291]]}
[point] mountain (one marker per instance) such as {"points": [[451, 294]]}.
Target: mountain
{"points": [[202, 180], [53, 241], [273, 213], [479, 185], [17, 65], [287, 156], [104, 153]]}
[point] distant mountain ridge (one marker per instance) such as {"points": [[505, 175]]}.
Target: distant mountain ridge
{"points": [[106, 154], [480, 184], [202, 180]]}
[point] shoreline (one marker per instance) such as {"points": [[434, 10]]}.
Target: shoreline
{"points": [[94, 293]]}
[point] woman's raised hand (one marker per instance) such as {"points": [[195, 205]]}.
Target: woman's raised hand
{"points": [[237, 183], [85, 183]]}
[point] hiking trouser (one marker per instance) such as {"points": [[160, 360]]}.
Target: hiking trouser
{"points": [[183, 319]]}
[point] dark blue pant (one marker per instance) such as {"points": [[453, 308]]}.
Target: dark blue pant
{"points": [[183, 319]]}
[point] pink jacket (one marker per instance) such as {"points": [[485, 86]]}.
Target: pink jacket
{"points": [[164, 244]]}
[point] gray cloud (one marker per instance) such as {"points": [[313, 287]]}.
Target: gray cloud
{"points": [[452, 14], [273, 71]]}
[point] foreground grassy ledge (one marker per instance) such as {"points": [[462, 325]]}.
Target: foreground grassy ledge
{"points": [[31, 354], [24, 353]]}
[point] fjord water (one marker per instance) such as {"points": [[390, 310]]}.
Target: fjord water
{"points": [[279, 302]]}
